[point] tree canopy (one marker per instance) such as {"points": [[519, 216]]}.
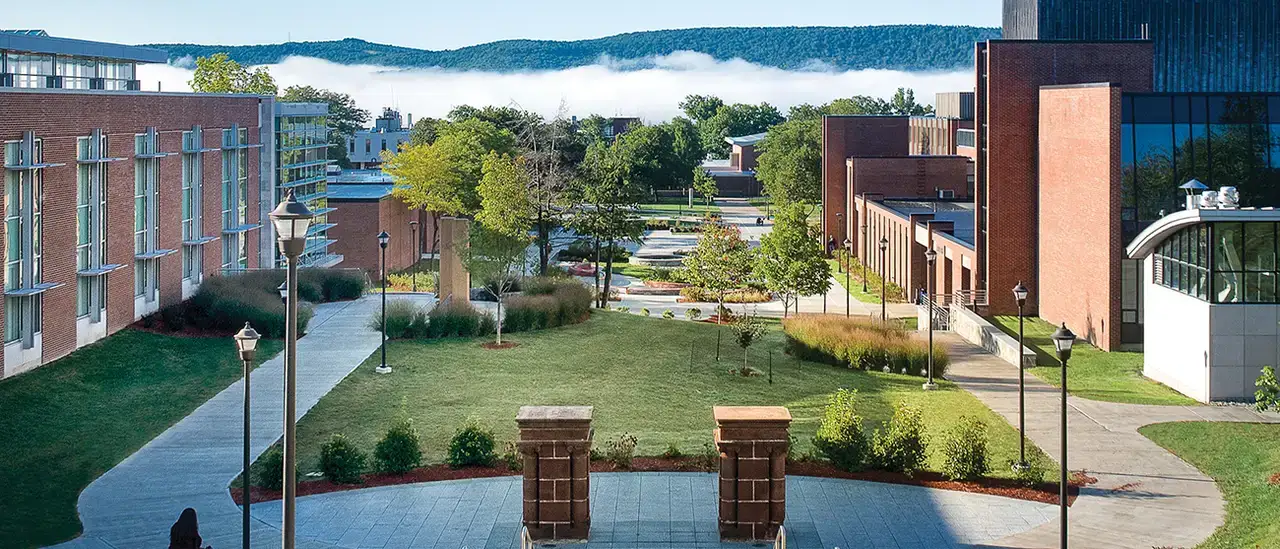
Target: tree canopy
{"points": [[217, 73], [791, 259]]}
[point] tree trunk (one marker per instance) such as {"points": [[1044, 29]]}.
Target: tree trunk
{"points": [[608, 275], [599, 302], [544, 243], [499, 323]]}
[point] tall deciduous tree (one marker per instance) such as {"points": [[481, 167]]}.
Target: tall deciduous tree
{"points": [[735, 120], [344, 118], [607, 194], [496, 251], [720, 262], [791, 258], [700, 107], [218, 73], [790, 162]]}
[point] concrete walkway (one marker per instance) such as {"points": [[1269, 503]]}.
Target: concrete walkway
{"points": [[651, 510], [1144, 497], [192, 463]]}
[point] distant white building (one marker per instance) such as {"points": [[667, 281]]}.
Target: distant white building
{"points": [[1212, 306], [364, 149]]}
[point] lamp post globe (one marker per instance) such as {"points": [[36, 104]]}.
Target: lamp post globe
{"points": [[1020, 295], [1063, 339], [291, 220], [884, 311], [931, 257], [383, 239], [247, 345]]}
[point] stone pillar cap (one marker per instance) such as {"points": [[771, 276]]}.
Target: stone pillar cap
{"points": [[724, 414], [554, 413]]}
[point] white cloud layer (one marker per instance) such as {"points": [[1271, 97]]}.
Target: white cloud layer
{"points": [[652, 92]]}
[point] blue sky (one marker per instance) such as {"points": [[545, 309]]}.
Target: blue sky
{"points": [[438, 24]]}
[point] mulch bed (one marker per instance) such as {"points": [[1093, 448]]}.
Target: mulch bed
{"points": [[504, 345], [664, 284], [1274, 480], [1043, 493]]}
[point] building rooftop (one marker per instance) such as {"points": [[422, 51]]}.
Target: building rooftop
{"points": [[959, 213], [360, 177], [1146, 242], [746, 140], [721, 167], [39, 41], [359, 192]]}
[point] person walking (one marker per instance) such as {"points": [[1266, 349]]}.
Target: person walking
{"points": [[185, 534]]}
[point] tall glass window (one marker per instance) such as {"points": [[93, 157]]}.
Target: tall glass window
{"points": [[146, 220], [24, 197], [91, 225]]}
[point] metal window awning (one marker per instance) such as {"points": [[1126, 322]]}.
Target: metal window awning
{"points": [[42, 165], [323, 211], [100, 270], [200, 241], [33, 290], [145, 156], [154, 255], [319, 228], [302, 182], [242, 146], [241, 229], [204, 150], [101, 160]]}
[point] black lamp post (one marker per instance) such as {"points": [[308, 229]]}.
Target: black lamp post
{"points": [[291, 220], [383, 239], [840, 221], [930, 257], [866, 247], [884, 312], [1020, 294], [1062, 340], [417, 255], [847, 244], [247, 344]]}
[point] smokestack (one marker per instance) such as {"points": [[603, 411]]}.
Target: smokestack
{"points": [[410, 120]]}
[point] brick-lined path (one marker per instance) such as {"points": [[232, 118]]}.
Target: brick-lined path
{"points": [[1145, 496], [650, 510]]}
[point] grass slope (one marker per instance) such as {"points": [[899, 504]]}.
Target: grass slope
{"points": [[65, 424], [1240, 457], [1092, 373], [635, 371], [872, 295]]}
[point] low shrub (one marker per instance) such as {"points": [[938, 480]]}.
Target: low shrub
{"points": [[709, 457], [692, 313], [547, 303], [747, 295], [900, 446], [334, 284], [1031, 475], [472, 444], [1267, 397], [840, 438], [668, 314], [457, 319], [860, 343], [583, 249], [511, 457], [225, 303], [672, 452], [624, 309], [665, 274], [340, 461], [621, 451], [407, 282], [270, 468], [965, 450], [893, 291], [401, 316], [400, 449], [644, 311]]}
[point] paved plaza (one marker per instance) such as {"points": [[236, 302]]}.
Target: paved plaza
{"points": [[657, 510]]}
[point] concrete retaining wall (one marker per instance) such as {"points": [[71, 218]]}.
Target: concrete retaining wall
{"points": [[977, 330]]}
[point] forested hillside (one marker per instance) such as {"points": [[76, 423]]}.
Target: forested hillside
{"points": [[900, 47]]}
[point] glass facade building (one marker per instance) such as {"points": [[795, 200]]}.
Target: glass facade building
{"points": [[1221, 262], [33, 59], [302, 143], [1200, 45]]}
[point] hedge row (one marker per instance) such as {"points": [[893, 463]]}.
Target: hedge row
{"points": [[860, 343]]}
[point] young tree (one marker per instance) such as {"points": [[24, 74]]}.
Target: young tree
{"points": [[720, 262], [747, 329], [705, 185], [218, 73], [496, 258], [549, 151], [344, 119], [607, 194], [791, 258], [500, 236]]}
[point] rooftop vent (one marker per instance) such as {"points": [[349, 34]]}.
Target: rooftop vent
{"points": [[1208, 200], [1192, 188], [1228, 198]]}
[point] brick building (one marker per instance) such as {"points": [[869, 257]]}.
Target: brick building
{"points": [[365, 209], [736, 175]]}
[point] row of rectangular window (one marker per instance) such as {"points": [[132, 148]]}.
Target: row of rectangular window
{"points": [[1240, 266]]}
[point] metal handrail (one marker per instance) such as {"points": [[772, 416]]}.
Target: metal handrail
{"points": [[780, 542], [526, 541]]}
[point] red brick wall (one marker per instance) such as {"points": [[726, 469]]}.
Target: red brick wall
{"points": [[1080, 246], [1016, 70], [902, 177], [59, 118], [747, 156], [848, 136], [358, 224]]}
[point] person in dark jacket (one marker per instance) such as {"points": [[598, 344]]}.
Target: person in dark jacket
{"points": [[185, 534]]}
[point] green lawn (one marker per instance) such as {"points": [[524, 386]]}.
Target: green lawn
{"points": [[635, 371], [872, 295], [1240, 457], [1092, 373], [65, 424]]}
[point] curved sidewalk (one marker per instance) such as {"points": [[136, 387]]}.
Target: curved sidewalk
{"points": [[1144, 497], [192, 463]]}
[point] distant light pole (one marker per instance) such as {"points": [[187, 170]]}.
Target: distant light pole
{"points": [[1020, 294], [847, 244], [840, 264], [383, 239], [417, 255], [291, 220], [884, 312], [930, 257], [247, 344], [1062, 340], [866, 247]]}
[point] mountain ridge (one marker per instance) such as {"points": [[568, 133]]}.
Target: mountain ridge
{"points": [[891, 47]]}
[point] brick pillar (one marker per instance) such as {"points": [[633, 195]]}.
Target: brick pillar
{"points": [[753, 443], [555, 443], [455, 281]]}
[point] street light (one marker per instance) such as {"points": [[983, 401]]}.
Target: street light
{"points": [[291, 220], [1062, 340], [847, 244], [930, 257], [884, 313], [247, 344], [865, 248], [840, 264], [383, 239], [1020, 294], [417, 255]]}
